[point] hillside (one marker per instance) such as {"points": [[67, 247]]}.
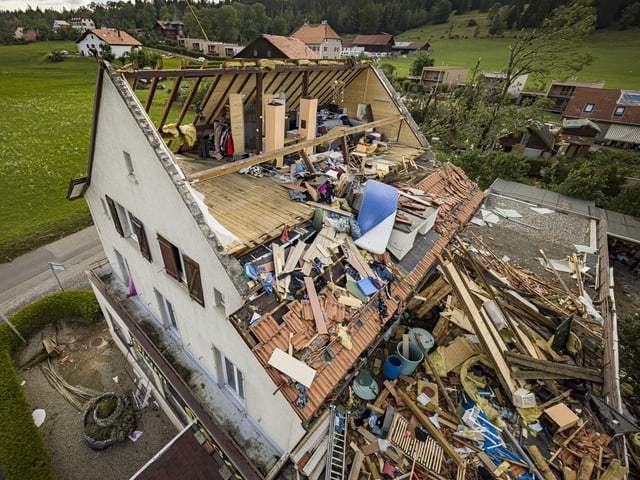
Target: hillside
{"points": [[457, 44]]}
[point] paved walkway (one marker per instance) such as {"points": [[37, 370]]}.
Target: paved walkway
{"points": [[29, 277]]}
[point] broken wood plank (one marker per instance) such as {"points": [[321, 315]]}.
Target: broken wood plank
{"points": [[431, 428], [615, 471], [540, 462], [292, 367], [586, 468], [318, 316], [571, 371]]}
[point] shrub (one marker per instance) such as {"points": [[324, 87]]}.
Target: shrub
{"points": [[22, 452], [472, 23]]}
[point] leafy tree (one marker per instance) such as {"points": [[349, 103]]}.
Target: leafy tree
{"points": [[388, 69], [556, 47], [440, 11], [106, 53], [280, 26], [422, 59], [630, 15]]}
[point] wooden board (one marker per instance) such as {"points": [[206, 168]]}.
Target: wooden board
{"points": [[315, 306], [236, 113], [292, 367]]}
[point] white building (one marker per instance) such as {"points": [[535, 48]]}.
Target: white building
{"points": [[82, 22], [320, 38], [92, 42]]}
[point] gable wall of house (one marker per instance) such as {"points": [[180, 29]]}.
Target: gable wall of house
{"points": [[151, 196]]}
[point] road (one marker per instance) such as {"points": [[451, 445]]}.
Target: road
{"points": [[29, 277]]}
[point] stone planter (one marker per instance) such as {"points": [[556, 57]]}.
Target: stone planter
{"points": [[105, 422]]}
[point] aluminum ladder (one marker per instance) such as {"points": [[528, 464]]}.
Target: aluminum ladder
{"points": [[337, 451]]}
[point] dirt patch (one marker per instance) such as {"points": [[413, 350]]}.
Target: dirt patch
{"points": [[89, 359]]}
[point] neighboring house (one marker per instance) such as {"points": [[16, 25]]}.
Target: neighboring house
{"points": [[217, 48], [92, 42], [536, 141], [276, 46], [616, 112], [452, 77], [496, 79], [321, 38], [170, 30], [375, 45], [349, 50], [25, 33], [560, 92], [410, 48], [60, 25], [577, 136], [82, 22]]}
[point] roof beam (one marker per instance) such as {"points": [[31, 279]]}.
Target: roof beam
{"points": [[334, 134]]}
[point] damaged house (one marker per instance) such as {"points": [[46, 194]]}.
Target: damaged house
{"points": [[291, 276]]}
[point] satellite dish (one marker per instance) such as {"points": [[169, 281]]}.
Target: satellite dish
{"points": [[38, 416]]}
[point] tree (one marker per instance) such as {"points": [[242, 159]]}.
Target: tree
{"points": [[556, 47], [441, 11], [422, 59], [388, 69]]}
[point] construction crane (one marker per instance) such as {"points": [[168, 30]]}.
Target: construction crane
{"points": [[204, 34]]}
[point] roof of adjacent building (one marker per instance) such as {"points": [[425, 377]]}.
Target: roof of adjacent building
{"points": [[292, 48], [605, 102], [111, 37], [378, 39], [411, 45], [315, 34]]}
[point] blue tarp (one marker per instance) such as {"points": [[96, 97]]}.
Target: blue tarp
{"points": [[380, 200]]}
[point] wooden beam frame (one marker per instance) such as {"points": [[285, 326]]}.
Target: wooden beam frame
{"points": [[336, 133]]}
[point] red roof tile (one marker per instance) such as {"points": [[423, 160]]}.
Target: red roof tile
{"points": [[604, 101], [315, 34]]}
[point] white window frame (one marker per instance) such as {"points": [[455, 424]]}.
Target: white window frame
{"points": [[589, 107], [167, 312], [233, 378]]}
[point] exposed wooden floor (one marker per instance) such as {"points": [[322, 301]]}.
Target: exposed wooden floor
{"points": [[254, 209]]}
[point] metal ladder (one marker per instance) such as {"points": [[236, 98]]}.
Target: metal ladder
{"points": [[337, 451]]}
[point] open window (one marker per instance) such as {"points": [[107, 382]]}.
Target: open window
{"points": [[182, 268]]}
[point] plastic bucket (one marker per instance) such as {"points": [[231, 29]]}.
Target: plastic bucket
{"points": [[415, 357], [392, 367]]}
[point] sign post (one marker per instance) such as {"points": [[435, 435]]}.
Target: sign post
{"points": [[15, 330], [55, 267]]}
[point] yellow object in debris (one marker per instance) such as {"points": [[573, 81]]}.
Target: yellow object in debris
{"points": [[345, 337]]}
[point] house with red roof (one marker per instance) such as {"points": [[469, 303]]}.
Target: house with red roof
{"points": [[616, 112], [380, 44], [93, 40], [277, 46], [320, 38]]}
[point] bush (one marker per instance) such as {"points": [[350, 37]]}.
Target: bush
{"points": [[472, 23], [22, 452], [69, 304]]}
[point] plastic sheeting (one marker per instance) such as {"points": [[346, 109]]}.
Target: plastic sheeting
{"points": [[377, 216]]}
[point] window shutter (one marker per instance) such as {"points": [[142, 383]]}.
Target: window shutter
{"points": [[192, 271], [142, 238], [169, 257], [114, 215]]}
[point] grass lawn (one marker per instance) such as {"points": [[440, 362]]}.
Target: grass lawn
{"points": [[616, 60], [46, 120]]}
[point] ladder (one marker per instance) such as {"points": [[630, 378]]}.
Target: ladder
{"points": [[337, 451]]}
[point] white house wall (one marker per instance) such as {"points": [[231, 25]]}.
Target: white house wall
{"points": [[85, 44], [150, 195]]}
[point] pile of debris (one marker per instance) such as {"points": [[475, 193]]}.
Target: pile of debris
{"points": [[508, 387]]}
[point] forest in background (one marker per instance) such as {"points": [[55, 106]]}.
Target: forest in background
{"points": [[241, 21]]}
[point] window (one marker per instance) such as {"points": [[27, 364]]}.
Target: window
{"points": [[182, 268], [128, 163], [166, 311], [619, 111], [233, 378], [218, 298], [588, 107], [127, 225]]}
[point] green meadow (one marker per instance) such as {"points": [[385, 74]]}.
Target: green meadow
{"points": [[47, 108], [45, 122]]}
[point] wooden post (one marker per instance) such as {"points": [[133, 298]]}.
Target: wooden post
{"points": [[307, 127], [274, 126], [236, 112]]}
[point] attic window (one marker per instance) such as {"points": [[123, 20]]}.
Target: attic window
{"points": [[128, 162], [588, 107], [619, 111]]}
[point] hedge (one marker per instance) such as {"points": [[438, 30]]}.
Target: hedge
{"points": [[22, 452]]}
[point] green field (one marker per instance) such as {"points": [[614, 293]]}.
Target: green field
{"points": [[45, 122], [616, 52]]}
